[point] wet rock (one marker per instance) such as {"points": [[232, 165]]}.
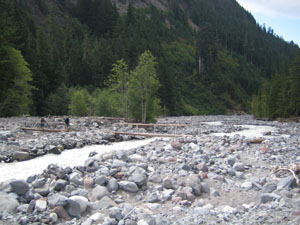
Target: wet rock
{"points": [[53, 149], [60, 184], [73, 208], [19, 186], [21, 156]]}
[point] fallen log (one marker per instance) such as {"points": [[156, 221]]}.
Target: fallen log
{"points": [[43, 130], [149, 134], [153, 124]]}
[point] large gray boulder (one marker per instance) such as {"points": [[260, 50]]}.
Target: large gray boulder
{"points": [[19, 186], [7, 202]]}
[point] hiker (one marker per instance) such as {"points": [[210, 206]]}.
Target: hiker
{"points": [[42, 122], [67, 123]]}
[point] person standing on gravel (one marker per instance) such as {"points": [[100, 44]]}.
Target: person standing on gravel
{"points": [[67, 123], [42, 122]]}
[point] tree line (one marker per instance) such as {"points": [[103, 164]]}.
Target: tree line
{"points": [[88, 59]]}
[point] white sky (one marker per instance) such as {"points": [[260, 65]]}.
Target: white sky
{"points": [[282, 15]]}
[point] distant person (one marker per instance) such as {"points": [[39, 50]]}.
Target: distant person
{"points": [[67, 123], [42, 122]]}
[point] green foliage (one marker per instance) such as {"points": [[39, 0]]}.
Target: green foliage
{"points": [[119, 83], [106, 103], [143, 86], [280, 97], [15, 87], [79, 103]]}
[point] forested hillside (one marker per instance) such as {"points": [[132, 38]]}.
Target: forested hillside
{"points": [[64, 57]]}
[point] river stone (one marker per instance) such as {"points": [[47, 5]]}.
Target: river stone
{"points": [[19, 186], [76, 178], [53, 150], [155, 178], [116, 213], [41, 205], [88, 182], [60, 184], [239, 167], [176, 145], [194, 182], [139, 176], [268, 197], [112, 185], [21, 156], [57, 200], [105, 203], [73, 208], [23, 208], [98, 193], [82, 201], [269, 188], [101, 180], [54, 217], [44, 191], [128, 186], [38, 183], [7, 202], [61, 212], [286, 182]]}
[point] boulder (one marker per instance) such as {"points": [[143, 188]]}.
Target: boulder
{"points": [[128, 186], [98, 193], [194, 182], [19, 186], [139, 176], [7, 202], [73, 208], [82, 201]]}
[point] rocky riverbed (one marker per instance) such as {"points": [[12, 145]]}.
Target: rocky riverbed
{"points": [[223, 171]]}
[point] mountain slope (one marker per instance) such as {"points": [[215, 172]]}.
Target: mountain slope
{"points": [[212, 56]]}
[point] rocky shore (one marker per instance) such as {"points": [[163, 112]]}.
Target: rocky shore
{"points": [[200, 178]]}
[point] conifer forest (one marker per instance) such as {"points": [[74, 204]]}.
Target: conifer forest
{"points": [[141, 59]]}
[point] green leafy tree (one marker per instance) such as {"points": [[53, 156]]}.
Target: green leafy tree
{"points": [[79, 105], [119, 82], [144, 85], [15, 87]]}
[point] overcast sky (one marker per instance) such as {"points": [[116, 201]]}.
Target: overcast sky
{"points": [[282, 15]]}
